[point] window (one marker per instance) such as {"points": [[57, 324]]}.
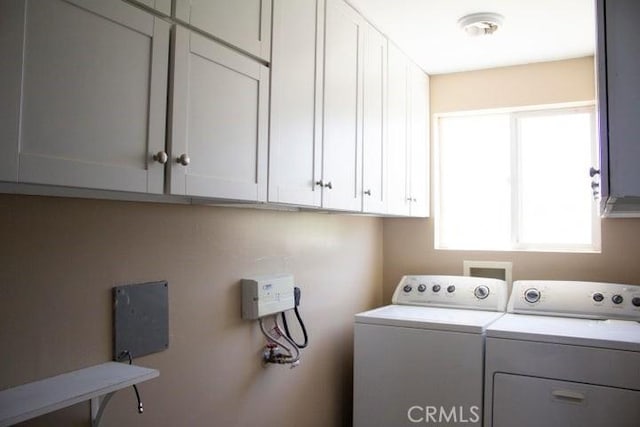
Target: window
{"points": [[517, 180]]}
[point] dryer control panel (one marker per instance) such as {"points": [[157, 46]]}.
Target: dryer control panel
{"points": [[593, 300], [452, 292]]}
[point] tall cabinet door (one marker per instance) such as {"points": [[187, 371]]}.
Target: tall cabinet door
{"points": [[219, 121], [84, 93], [245, 24], [419, 141], [619, 61], [342, 143], [398, 201], [295, 141], [374, 128]]}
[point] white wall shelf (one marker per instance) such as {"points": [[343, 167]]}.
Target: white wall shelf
{"points": [[96, 383]]}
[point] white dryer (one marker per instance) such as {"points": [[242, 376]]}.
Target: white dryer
{"points": [[420, 360], [566, 354]]}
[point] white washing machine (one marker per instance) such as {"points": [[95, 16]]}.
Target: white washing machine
{"points": [[566, 354], [420, 360]]}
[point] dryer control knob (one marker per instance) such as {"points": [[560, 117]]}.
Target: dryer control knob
{"points": [[636, 301], [532, 295], [481, 292], [451, 289], [617, 299], [598, 297], [436, 288], [407, 288], [422, 287]]}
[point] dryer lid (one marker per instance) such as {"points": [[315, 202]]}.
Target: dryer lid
{"points": [[610, 334]]}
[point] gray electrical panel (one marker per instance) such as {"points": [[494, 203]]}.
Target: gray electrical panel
{"points": [[140, 319]]}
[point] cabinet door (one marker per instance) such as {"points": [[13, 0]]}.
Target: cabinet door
{"points": [[162, 6], [86, 99], [622, 56], [296, 102], [342, 143], [419, 141], [245, 24], [398, 200], [374, 126], [219, 121]]}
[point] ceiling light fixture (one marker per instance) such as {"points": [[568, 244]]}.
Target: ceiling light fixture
{"points": [[481, 24]]}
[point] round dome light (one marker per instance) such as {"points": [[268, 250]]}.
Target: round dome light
{"points": [[481, 24]]}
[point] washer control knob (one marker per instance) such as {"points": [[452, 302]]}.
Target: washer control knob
{"points": [[407, 288], [532, 295], [617, 299], [451, 289], [636, 301], [598, 297], [436, 288], [481, 292], [422, 288]]}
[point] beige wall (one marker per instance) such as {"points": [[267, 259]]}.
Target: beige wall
{"points": [[60, 257], [409, 244]]}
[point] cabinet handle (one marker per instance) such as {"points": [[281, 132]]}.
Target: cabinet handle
{"points": [[593, 172], [320, 183], [184, 160], [568, 395], [368, 192], [161, 157], [594, 185], [328, 185], [411, 199]]}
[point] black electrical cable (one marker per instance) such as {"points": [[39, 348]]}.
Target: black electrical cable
{"points": [[286, 327], [123, 354]]}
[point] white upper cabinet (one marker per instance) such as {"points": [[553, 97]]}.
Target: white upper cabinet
{"points": [[219, 127], [419, 141], [618, 60], [244, 24], [408, 144], [342, 119], [295, 144], [374, 122], [83, 89], [162, 6], [398, 192]]}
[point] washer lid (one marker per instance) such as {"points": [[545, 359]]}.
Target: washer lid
{"points": [[612, 334], [434, 318]]}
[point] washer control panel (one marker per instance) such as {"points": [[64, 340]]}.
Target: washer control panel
{"points": [[597, 300], [453, 292]]}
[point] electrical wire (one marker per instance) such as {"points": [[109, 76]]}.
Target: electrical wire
{"points": [[304, 329], [127, 354]]}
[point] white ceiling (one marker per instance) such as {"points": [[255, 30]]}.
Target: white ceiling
{"points": [[533, 31]]}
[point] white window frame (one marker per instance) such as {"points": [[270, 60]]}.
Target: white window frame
{"points": [[516, 211]]}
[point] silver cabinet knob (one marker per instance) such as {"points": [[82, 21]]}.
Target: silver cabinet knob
{"points": [[593, 172], [184, 160], [161, 157], [328, 185], [594, 185], [320, 183], [368, 192]]}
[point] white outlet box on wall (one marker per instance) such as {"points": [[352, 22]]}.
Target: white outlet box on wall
{"points": [[266, 295]]}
